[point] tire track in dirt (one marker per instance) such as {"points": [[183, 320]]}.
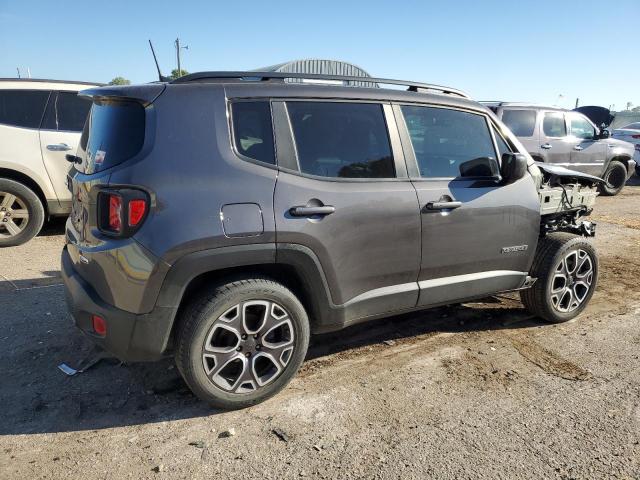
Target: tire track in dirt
{"points": [[549, 361]]}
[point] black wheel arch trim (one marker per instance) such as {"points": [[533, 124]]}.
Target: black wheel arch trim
{"points": [[298, 257]]}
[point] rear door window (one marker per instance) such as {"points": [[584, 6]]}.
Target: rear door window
{"points": [[341, 140], [521, 122], [66, 111], [22, 108], [113, 133], [253, 130], [554, 125], [450, 143]]}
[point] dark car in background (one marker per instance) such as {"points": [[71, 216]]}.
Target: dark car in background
{"points": [[568, 138]]}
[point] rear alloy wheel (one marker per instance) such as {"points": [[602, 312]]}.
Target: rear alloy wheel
{"points": [[242, 343], [566, 268], [615, 178], [21, 213]]}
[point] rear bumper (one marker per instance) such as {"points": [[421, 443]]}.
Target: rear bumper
{"points": [[130, 337]]}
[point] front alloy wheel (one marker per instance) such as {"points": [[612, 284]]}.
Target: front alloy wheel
{"points": [[566, 268], [572, 281]]}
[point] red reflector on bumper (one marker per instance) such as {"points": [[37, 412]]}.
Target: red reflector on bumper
{"points": [[99, 325]]}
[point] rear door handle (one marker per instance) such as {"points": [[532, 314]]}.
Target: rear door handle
{"points": [[546, 146], [442, 205], [578, 148], [302, 211], [59, 147]]}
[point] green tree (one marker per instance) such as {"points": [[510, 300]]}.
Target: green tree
{"points": [[120, 81], [177, 74]]}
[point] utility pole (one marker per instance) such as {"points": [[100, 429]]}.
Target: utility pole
{"points": [[18, 69], [577, 102], [178, 47]]}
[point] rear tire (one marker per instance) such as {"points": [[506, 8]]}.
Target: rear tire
{"points": [[21, 213], [242, 342], [566, 268], [615, 178]]}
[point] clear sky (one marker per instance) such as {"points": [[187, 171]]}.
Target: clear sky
{"points": [[495, 50]]}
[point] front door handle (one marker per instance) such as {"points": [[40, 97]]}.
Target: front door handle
{"points": [[578, 148], [546, 146], [443, 205], [59, 147], [303, 211]]}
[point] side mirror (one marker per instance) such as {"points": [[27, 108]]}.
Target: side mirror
{"points": [[479, 167], [604, 133], [514, 167]]}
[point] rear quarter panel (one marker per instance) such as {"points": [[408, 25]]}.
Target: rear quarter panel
{"points": [[193, 172]]}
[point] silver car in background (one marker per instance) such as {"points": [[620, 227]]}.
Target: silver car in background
{"points": [[569, 139], [630, 133]]}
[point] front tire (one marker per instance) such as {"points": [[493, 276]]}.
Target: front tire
{"points": [[566, 268], [242, 342], [21, 213], [615, 178]]}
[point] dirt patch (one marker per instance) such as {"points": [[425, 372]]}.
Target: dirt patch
{"points": [[549, 361], [616, 220]]}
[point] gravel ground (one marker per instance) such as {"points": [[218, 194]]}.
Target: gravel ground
{"points": [[471, 391]]}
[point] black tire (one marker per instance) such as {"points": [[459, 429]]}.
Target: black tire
{"points": [[552, 249], [615, 178], [34, 207], [197, 327]]}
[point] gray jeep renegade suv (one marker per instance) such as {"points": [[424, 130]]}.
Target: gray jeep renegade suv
{"points": [[225, 216]]}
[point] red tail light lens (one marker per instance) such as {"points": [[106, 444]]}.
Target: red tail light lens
{"points": [[115, 213], [121, 211], [137, 208]]}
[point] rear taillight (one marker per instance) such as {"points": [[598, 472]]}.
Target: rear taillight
{"points": [[115, 212], [121, 211], [137, 209]]}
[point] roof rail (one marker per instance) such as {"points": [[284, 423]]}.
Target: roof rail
{"points": [[45, 80], [265, 76]]}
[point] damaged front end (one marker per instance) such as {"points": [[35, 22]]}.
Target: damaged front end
{"points": [[565, 197]]}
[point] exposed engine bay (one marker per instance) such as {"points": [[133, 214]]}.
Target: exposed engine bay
{"points": [[565, 196]]}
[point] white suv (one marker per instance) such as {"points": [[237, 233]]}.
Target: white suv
{"points": [[40, 123]]}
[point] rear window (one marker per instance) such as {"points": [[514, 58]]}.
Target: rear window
{"points": [[341, 140], [66, 111], [553, 125], [22, 108], [252, 130], [520, 122], [113, 133]]}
